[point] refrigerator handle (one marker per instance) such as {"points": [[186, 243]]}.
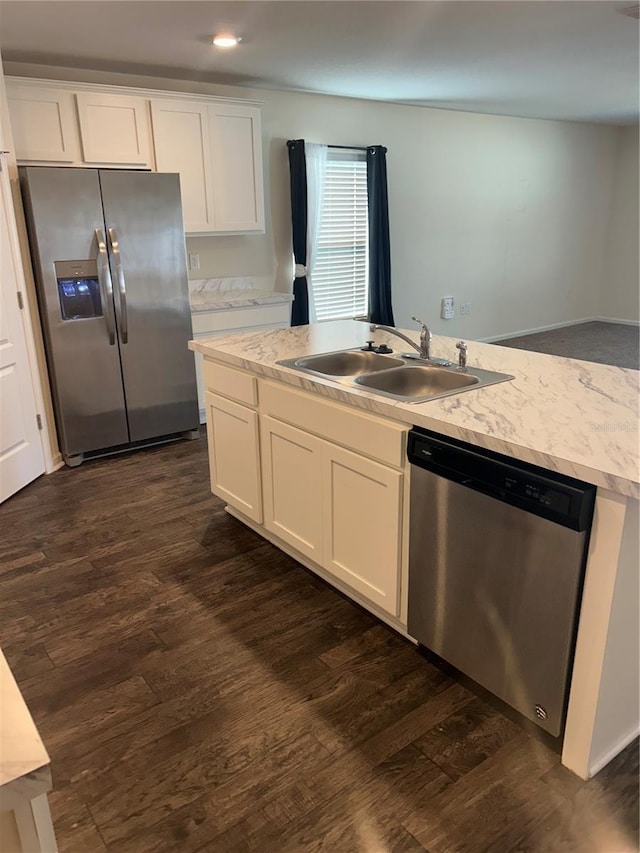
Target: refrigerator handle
{"points": [[122, 287], [106, 288]]}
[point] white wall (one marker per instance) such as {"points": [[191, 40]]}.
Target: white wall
{"points": [[508, 214], [620, 295]]}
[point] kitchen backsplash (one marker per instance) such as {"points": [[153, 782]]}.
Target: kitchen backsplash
{"points": [[212, 286]]}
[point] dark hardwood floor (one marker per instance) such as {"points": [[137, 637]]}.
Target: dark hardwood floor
{"points": [[198, 690]]}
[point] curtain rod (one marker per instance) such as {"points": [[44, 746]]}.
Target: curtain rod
{"points": [[291, 143]]}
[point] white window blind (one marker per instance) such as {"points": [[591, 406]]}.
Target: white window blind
{"points": [[340, 271]]}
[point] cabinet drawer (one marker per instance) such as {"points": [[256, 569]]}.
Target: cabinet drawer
{"points": [[379, 439], [231, 383]]}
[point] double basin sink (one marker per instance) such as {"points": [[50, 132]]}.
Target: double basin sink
{"points": [[404, 379]]}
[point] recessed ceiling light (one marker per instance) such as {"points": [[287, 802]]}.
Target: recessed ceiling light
{"points": [[226, 40]]}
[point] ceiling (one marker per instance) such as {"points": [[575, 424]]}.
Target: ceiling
{"points": [[561, 60]]}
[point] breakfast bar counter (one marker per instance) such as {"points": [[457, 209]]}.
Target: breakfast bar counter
{"points": [[572, 417], [569, 416]]}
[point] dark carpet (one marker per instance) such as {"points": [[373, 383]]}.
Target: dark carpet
{"points": [[604, 343]]}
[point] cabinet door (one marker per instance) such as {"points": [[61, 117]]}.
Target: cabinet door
{"points": [[292, 472], [362, 525], [181, 144], [114, 129], [234, 455], [236, 151], [43, 123]]}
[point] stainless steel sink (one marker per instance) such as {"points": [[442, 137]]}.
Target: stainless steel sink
{"points": [[346, 363], [411, 381], [391, 376]]}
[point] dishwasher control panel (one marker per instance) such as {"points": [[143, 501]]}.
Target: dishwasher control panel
{"points": [[545, 495], [562, 499]]}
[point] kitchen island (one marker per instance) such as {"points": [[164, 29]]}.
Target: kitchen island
{"points": [[319, 468]]}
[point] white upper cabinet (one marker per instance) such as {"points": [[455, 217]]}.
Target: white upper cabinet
{"points": [[217, 151], [215, 146], [236, 150], [114, 129], [43, 123], [181, 142], [79, 128]]}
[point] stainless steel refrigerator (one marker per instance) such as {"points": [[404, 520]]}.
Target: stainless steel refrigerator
{"points": [[109, 261]]}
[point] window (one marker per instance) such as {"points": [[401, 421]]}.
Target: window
{"points": [[340, 270]]}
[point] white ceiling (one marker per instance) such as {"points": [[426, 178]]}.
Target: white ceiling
{"points": [[564, 60]]}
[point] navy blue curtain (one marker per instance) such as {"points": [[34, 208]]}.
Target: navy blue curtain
{"points": [[298, 178], [380, 310]]}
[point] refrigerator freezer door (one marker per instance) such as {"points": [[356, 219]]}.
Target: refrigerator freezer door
{"points": [[64, 210], [143, 217]]}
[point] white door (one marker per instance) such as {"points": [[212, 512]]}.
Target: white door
{"points": [[21, 455]]}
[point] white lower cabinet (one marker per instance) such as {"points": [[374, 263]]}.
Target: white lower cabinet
{"points": [[234, 455], [362, 503], [292, 476], [337, 508]]}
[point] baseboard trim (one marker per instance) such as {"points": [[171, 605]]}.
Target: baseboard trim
{"points": [[611, 753], [619, 321], [54, 463], [565, 324]]}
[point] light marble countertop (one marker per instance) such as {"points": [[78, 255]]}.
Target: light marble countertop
{"points": [[24, 762], [243, 291], [570, 416], [237, 299]]}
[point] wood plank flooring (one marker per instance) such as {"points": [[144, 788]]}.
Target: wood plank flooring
{"points": [[198, 690]]}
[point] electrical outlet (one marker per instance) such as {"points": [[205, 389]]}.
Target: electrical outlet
{"points": [[447, 311], [194, 261], [465, 308]]}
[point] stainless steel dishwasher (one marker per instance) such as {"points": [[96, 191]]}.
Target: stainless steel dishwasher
{"points": [[497, 550]]}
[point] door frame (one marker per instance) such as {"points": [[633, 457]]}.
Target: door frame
{"points": [[24, 276]]}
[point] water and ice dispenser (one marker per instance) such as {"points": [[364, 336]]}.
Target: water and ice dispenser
{"points": [[78, 289]]}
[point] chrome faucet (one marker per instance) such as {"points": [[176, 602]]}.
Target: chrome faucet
{"points": [[423, 350]]}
